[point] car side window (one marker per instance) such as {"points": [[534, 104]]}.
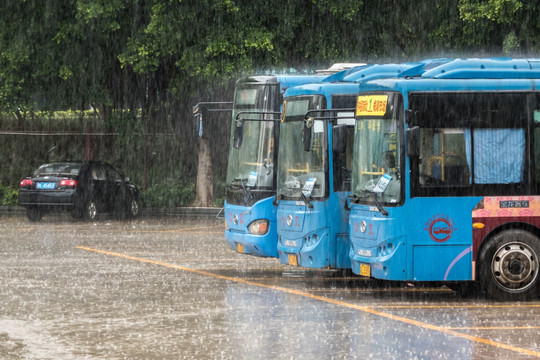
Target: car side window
{"points": [[113, 174], [98, 173]]}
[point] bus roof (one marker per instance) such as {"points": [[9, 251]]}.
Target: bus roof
{"points": [[284, 81], [464, 75], [289, 80], [346, 82], [484, 68], [323, 89]]}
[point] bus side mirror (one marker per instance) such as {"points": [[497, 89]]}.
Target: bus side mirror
{"points": [[238, 133], [308, 128], [339, 138], [413, 141], [197, 122]]}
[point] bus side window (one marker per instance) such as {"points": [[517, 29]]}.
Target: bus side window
{"points": [[537, 156], [443, 158], [536, 162]]}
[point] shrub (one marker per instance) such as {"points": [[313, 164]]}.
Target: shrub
{"points": [[169, 193], [9, 196]]}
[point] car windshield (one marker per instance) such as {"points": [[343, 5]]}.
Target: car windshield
{"points": [[58, 169]]}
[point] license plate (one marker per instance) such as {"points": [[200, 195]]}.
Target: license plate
{"points": [[45, 185], [240, 248], [293, 260], [365, 270]]}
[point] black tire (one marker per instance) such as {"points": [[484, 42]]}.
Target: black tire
{"points": [[89, 211], [132, 208], [34, 214], [508, 268]]}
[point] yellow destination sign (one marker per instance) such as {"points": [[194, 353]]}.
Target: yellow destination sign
{"points": [[371, 105]]}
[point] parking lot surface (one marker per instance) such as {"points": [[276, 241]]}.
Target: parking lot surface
{"points": [[171, 288]]}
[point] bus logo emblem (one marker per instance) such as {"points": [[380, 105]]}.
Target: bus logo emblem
{"points": [[363, 226], [440, 228], [235, 219], [289, 220]]}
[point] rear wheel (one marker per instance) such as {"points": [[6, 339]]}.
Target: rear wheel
{"points": [[34, 214], [133, 208], [89, 210], [509, 265]]}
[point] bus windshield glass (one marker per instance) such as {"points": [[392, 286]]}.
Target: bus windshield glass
{"points": [[252, 165], [376, 173], [302, 173]]}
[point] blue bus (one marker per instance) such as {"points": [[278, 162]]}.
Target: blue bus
{"points": [[446, 177], [250, 217], [314, 167]]}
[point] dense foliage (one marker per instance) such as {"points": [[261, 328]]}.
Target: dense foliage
{"points": [[136, 67]]}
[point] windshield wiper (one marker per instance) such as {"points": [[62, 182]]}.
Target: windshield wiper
{"points": [[379, 206], [373, 194], [245, 190], [306, 200], [276, 199]]}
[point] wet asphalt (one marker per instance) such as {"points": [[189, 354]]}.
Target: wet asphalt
{"points": [[171, 288]]}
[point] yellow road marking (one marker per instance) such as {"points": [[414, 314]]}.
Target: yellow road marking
{"points": [[495, 328], [453, 306], [365, 309], [431, 290], [129, 231]]}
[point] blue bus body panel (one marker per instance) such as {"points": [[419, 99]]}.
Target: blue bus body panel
{"points": [[430, 239], [318, 237], [238, 219]]}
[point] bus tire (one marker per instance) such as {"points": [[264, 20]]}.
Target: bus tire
{"points": [[509, 265]]}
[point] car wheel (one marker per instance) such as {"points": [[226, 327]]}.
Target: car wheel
{"points": [[133, 208], [34, 214], [509, 265], [90, 210]]}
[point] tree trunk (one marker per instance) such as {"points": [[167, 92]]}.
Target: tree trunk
{"points": [[205, 184]]}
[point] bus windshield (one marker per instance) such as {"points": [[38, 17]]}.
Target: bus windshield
{"points": [[302, 173], [376, 172], [252, 165]]}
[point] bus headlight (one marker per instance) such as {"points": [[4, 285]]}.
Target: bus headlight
{"points": [[258, 227]]}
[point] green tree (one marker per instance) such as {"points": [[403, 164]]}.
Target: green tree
{"points": [[142, 64]]}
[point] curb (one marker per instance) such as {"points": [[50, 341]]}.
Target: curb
{"points": [[145, 212]]}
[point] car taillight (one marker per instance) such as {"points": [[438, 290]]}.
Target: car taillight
{"points": [[26, 183], [69, 183]]}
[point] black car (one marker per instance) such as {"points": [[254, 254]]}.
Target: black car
{"points": [[85, 188]]}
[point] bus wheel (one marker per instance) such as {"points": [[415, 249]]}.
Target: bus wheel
{"points": [[509, 265]]}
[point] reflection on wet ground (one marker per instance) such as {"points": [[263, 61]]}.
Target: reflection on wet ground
{"points": [[171, 288]]}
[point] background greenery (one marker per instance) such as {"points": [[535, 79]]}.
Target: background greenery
{"points": [[136, 67]]}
